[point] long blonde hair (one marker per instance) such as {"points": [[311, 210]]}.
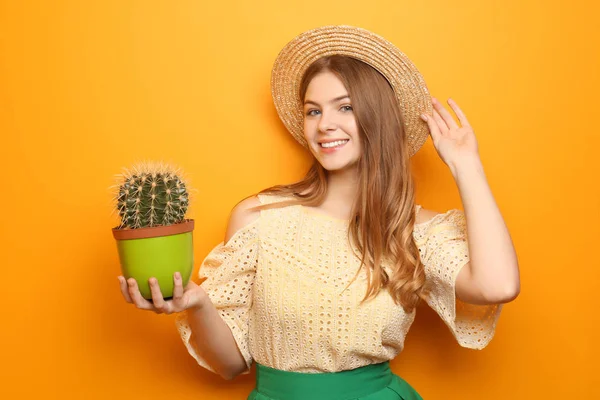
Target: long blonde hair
{"points": [[383, 215]]}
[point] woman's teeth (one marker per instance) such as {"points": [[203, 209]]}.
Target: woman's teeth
{"points": [[334, 144]]}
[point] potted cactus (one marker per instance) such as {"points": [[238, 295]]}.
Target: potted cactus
{"points": [[154, 239]]}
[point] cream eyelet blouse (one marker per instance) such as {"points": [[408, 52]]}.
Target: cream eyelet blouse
{"points": [[278, 283]]}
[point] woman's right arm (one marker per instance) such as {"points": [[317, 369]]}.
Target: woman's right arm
{"points": [[211, 336], [214, 341]]}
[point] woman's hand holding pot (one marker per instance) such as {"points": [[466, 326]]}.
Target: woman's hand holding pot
{"points": [[192, 296]]}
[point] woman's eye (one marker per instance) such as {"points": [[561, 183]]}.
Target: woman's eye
{"points": [[347, 108], [312, 112]]}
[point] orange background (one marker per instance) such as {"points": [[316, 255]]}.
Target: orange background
{"points": [[87, 88]]}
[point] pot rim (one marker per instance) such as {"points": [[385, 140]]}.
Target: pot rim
{"points": [[185, 226]]}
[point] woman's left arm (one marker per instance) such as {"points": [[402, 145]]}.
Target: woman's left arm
{"points": [[492, 274]]}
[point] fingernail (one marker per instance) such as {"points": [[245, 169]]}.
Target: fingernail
{"points": [[177, 275], [424, 117], [433, 100]]}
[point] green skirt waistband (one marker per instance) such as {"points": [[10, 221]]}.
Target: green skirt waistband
{"points": [[352, 384]]}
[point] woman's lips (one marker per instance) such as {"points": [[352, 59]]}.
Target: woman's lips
{"points": [[328, 150]]}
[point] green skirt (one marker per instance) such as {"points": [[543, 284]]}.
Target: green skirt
{"points": [[371, 382]]}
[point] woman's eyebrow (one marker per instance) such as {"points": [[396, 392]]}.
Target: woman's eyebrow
{"points": [[342, 97]]}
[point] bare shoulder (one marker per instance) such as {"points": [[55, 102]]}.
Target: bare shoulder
{"points": [[425, 215], [242, 215]]}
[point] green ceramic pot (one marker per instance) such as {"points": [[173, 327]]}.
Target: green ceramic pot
{"points": [[156, 252]]}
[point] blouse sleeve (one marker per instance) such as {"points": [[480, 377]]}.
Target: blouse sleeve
{"points": [[229, 270], [444, 251]]}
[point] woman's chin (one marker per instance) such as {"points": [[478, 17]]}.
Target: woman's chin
{"points": [[337, 166]]}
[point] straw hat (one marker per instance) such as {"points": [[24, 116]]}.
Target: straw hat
{"points": [[295, 58]]}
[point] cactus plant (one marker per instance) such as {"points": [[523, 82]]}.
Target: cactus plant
{"points": [[154, 239], [151, 195]]}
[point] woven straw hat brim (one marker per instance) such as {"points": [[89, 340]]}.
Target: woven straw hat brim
{"points": [[294, 59]]}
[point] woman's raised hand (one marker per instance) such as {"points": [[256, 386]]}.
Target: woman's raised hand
{"points": [[192, 296], [453, 142]]}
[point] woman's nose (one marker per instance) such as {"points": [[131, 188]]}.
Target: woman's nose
{"points": [[327, 122]]}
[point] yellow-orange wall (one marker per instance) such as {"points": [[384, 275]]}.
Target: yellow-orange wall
{"points": [[87, 88]]}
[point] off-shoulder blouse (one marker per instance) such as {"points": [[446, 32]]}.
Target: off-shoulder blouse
{"points": [[278, 283]]}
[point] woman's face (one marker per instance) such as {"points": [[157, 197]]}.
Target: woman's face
{"points": [[329, 121]]}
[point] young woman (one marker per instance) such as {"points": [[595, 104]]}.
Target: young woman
{"points": [[317, 282]]}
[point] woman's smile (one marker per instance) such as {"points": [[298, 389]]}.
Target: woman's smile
{"points": [[331, 147]]}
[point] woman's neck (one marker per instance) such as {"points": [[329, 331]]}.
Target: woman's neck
{"points": [[342, 188]]}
